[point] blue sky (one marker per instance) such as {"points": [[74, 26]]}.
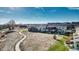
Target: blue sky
{"points": [[39, 14]]}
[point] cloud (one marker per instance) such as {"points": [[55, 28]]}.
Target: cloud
{"points": [[53, 10], [2, 11], [8, 12], [5, 11], [73, 8], [40, 8], [3, 20], [14, 8], [37, 7]]}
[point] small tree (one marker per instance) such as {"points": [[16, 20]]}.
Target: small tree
{"points": [[11, 24]]}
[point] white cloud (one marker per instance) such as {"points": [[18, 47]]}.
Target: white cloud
{"points": [[4, 20], [5, 11], [42, 8], [37, 7], [2, 11], [14, 8], [8, 12], [52, 10], [73, 8]]}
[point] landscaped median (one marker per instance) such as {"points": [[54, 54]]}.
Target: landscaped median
{"points": [[60, 45]]}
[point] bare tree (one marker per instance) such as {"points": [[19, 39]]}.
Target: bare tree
{"points": [[11, 24]]}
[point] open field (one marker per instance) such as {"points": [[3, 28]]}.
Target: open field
{"points": [[37, 41]]}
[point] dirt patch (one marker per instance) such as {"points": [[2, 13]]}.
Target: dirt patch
{"points": [[37, 42]]}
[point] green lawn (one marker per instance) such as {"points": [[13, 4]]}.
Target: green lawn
{"points": [[24, 30], [59, 45]]}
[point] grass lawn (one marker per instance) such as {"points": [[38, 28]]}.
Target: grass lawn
{"points": [[59, 45], [24, 30]]}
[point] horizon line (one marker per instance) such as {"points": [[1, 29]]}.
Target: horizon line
{"points": [[40, 23]]}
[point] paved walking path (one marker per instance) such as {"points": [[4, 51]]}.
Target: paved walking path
{"points": [[11, 40], [17, 46]]}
